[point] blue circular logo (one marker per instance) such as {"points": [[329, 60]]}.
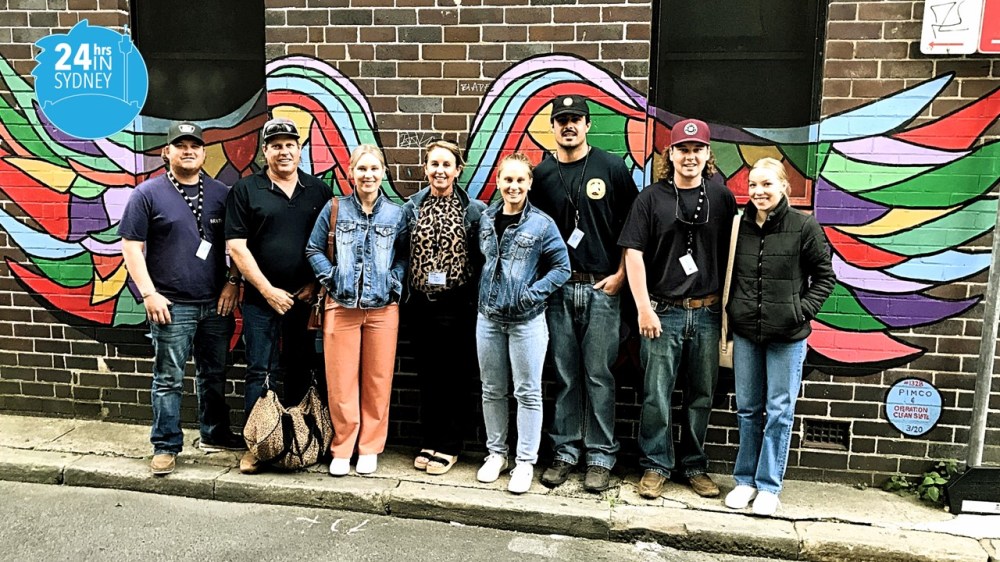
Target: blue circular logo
{"points": [[91, 82], [913, 406]]}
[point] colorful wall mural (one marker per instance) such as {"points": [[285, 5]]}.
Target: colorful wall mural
{"points": [[905, 206]]}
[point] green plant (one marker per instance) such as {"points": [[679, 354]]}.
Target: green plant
{"points": [[929, 487], [899, 484]]}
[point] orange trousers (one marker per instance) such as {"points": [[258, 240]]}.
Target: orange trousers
{"points": [[360, 353]]}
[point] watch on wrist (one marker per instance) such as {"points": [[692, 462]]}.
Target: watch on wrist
{"points": [[233, 280]]}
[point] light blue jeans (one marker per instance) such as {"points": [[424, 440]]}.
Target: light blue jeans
{"points": [[199, 328], [512, 351], [583, 325], [687, 350], [768, 376]]}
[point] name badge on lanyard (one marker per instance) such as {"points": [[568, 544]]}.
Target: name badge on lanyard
{"points": [[203, 249], [687, 262]]}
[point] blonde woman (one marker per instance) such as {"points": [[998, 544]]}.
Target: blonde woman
{"points": [[364, 287], [781, 276]]}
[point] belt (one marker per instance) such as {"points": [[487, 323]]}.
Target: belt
{"points": [[580, 277], [688, 304]]}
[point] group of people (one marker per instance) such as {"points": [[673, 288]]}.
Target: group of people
{"points": [[495, 288]]}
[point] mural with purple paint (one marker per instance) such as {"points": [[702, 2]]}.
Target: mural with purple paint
{"points": [[904, 206]]}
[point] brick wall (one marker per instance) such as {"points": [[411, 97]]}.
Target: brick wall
{"points": [[425, 66]]}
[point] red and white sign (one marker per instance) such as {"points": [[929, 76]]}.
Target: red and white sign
{"points": [[951, 27], [989, 38]]}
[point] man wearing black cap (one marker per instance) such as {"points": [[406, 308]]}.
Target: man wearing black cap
{"points": [[676, 245], [588, 192], [174, 249], [269, 217]]}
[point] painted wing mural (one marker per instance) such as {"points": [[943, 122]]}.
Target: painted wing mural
{"points": [[73, 192], [901, 203]]}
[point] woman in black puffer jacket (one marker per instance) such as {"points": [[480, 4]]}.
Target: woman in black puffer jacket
{"points": [[781, 276]]}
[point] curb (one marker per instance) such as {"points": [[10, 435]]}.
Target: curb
{"points": [[682, 528]]}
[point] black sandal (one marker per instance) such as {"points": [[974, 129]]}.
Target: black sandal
{"points": [[422, 458], [445, 462]]}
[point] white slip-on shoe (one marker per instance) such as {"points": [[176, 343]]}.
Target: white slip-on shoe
{"points": [[740, 497], [521, 477], [492, 467], [765, 504], [367, 464], [340, 467]]}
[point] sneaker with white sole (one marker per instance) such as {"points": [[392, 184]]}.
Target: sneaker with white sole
{"points": [[740, 497], [492, 467], [521, 477], [367, 464], [340, 467], [766, 504]]}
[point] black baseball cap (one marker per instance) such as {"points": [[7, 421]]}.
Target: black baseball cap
{"points": [[570, 105], [280, 127], [184, 130]]}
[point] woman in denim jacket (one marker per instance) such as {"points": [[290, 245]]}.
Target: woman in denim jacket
{"points": [[526, 261], [361, 319]]}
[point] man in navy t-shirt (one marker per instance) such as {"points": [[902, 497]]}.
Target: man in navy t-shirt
{"points": [[175, 251]]}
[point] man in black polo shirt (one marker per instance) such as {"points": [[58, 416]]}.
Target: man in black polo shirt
{"points": [[269, 217], [588, 192], [676, 243]]}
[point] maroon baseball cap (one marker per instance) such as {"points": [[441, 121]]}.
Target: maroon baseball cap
{"points": [[690, 130]]}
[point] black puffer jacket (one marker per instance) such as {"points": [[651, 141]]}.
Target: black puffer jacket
{"points": [[782, 274]]}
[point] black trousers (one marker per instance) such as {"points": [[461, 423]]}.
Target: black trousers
{"points": [[443, 331]]}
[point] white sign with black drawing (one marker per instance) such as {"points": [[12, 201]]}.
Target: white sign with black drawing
{"points": [[951, 27]]}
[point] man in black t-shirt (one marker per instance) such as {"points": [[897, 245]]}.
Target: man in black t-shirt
{"points": [[676, 243], [175, 252], [588, 193], [269, 217]]}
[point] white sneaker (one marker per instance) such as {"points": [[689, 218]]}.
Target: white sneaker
{"points": [[766, 504], [521, 477], [367, 464], [340, 467], [492, 467], [740, 497]]}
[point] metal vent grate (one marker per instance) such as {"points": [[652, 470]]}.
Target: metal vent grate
{"points": [[826, 434]]}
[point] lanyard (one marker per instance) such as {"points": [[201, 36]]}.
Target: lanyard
{"points": [[681, 213], [574, 202], [195, 205]]}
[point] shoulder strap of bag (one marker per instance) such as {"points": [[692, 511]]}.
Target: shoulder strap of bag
{"points": [[330, 237], [729, 274]]}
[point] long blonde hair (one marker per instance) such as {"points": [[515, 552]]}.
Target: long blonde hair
{"points": [[517, 157], [775, 166], [363, 149]]}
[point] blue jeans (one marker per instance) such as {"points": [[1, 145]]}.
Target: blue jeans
{"points": [[197, 327], [512, 351], [768, 376], [688, 346], [583, 330], [280, 346]]}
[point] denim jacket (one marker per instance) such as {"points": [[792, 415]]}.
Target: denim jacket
{"points": [[371, 253], [523, 268], [473, 211]]}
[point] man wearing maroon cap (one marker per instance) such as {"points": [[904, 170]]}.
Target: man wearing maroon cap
{"points": [[676, 243]]}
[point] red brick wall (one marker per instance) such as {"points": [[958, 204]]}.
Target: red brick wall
{"points": [[424, 66]]}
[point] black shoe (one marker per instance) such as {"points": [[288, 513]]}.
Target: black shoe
{"points": [[556, 474], [597, 479], [230, 442]]}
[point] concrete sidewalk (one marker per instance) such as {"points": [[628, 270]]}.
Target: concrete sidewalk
{"points": [[816, 522]]}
